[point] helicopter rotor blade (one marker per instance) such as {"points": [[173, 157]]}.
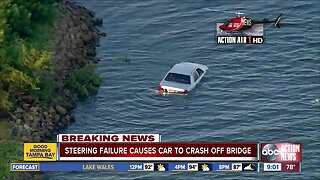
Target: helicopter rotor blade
{"points": [[215, 10], [222, 11]]}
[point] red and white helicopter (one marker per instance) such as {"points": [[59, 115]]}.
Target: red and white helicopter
{"points": [[241, 23]]}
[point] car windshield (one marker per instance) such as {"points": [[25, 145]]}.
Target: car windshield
{"points": [[179, 78]]}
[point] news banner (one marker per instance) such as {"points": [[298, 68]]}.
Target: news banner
{"points": [[147, 153]]}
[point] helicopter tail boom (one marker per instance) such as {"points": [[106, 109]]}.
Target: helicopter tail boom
{"points": [[277, 21]]}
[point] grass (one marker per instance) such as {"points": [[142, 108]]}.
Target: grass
{"points": [[5, 129], [10, 151]]}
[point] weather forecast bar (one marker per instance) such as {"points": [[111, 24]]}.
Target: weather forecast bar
{"points": [[158, 151], [136, 166]]}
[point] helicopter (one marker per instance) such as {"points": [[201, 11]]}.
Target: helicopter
{"points": [[241, 23]]}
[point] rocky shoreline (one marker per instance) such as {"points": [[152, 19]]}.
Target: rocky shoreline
{"points": [[76, 38]]}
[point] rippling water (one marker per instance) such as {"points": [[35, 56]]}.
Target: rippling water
{"points": [[250, 92]]}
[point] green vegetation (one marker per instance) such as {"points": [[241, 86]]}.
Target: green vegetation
{"points": [[26, 26], [5, 128], [10, 151], [22, 61], [83, 81], [24, 33]]}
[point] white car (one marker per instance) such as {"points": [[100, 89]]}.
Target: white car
{"points": [[182, 78]]}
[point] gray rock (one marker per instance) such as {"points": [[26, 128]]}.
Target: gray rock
{"points": [[67, 118], [36, 120], [37, 138], [45, 113], [61, 124], [19, 110], [26, 106], [19, 121], [28, 118], [33, 108], [61, 110], [26, 139], [56, 117], [20, 129], [34, 111], [66, 92], [84, 27], [26, 127], [51, 110], [86, 37], [18, 115]]}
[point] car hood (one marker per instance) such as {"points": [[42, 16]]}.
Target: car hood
{"points": [[175, 85]]}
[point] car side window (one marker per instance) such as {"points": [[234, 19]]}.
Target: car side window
{"points": [[200, 71], [195, 76]]}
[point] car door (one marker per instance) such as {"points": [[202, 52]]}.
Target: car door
{"points": [[200, 72], [196, 78]]}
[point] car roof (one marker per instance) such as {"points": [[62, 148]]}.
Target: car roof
{"points": [[185, 68]]}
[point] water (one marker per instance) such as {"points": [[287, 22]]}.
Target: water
{"points": [[250, 92]]}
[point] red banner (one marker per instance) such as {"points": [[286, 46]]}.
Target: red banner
{"points": [[159, 151]]}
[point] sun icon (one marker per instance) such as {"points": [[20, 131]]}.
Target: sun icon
{"points": [[205, 167], [161, 167]]}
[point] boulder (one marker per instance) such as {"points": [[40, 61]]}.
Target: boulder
{"points": [[84, 27], [36, 120], [26, 106], [18, 115], [61, 124], [19, 121], [26, 127], [61, 110], [26, 139], [51, 110], [36, 138], [34, 111], [19, 110], [57, 118], [28, 118]]}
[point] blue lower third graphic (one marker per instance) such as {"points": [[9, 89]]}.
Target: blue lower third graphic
{"points": [[24, 167], [222, 166]]}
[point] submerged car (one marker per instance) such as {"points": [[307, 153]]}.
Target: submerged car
{"points": [[182, 78]]}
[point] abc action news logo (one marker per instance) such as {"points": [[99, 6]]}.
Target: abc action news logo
{"points": [[281, 152]]}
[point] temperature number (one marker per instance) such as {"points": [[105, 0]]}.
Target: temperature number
{"points": [[290, 166]]}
